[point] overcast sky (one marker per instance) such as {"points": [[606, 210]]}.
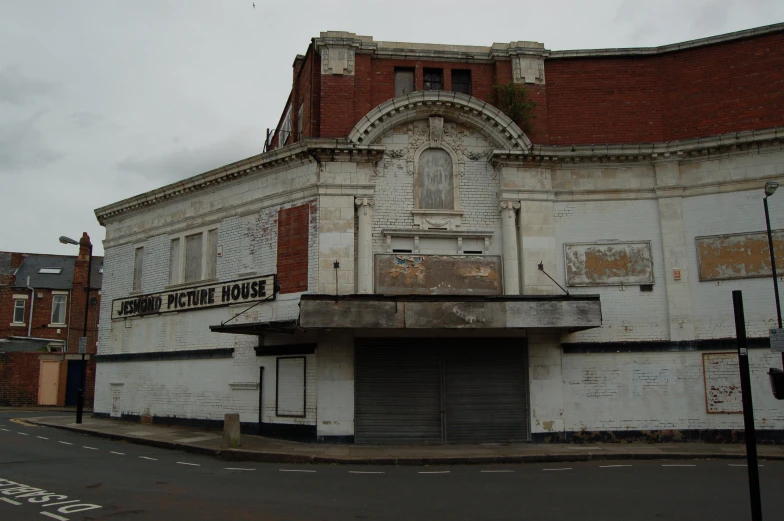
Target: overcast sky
{"points": [[104, 100]]}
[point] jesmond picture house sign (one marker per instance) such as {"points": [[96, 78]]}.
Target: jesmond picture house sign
{"points": [[197, 297]]}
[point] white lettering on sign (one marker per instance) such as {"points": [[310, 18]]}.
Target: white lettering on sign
{"points": [[198, 297], [42, 499]]}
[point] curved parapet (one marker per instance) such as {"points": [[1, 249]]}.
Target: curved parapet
{"points": [[460, 108]]}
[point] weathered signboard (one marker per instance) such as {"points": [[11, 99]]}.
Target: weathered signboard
{"points": [[406, 274], [612, 264], [737, 255], [196, 297]]}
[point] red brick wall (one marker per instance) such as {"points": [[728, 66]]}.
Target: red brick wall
{"points": [[18, 379], [293, 235]]}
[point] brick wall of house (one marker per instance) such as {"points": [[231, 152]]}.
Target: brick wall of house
{"points": [[18, 379]]}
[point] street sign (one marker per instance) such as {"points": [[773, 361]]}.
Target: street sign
{"points": [[777, 340], [82, 344]]}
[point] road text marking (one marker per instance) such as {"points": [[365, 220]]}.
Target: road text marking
{"points": [[65, 442], [235, 468], [565, 468], [10, 501], [297, 470], [118, 453], [612, 466], [145, 457], [61, 518], [186, 463]]}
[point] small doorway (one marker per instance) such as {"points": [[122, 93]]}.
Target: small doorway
{"points": [[49, 382], [72, 382]]}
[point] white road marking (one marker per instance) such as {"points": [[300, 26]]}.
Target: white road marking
{"points": [[186, 463], [65, 442], [151, 459], [364, 472], [118, 453], [22, 433], [612, 466], [235, 468], [495, 471], [61, 518], [42, 437], [297, 470], [6, 430], [434, 471], [88, 448], [679, 465], [743, 465], [565, 468], [10, 501]]}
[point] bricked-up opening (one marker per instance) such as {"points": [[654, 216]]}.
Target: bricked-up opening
{"points": [[293, 231], [404, 81]]}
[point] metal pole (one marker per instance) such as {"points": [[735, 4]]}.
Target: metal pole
{"points": [[773, 266], [83, 377], [748, 407]]}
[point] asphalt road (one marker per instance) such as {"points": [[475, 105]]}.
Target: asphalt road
{"points": [[53, 474]]}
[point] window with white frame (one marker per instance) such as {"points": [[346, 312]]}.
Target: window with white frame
{"points": [[58, 308], [138, 267], [19, 310], [193, 257]]}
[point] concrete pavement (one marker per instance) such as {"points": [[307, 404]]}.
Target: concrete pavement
{"points": [[257, 448]]}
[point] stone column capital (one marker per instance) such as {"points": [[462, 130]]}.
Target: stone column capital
{"points": [[510, 205], [364, 201]]}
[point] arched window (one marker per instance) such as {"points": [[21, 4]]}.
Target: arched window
{"points": [[436, 185]]}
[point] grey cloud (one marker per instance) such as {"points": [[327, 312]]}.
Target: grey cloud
{"points": [[18, 89], [184, 162], [86, 119], [22, 145]]}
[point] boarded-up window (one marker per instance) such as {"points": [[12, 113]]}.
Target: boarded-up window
{"points": [[404, 81], [461, 81], [212, 254], [193, 258], [290, 387], [174, 262], [435, 180], [293, 234], [138, 266]]}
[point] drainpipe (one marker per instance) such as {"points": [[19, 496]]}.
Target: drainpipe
{"points": [[32, 305]]}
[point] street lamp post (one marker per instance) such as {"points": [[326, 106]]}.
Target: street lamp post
{"points": [[83, 376], [770, 189]]}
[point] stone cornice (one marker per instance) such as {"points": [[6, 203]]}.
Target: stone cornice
{"points": [[649, 51], [303, 152], [672, 150]]}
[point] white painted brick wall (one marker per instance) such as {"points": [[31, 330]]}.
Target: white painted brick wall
{"points": [[718, 214], [651, 391], [627, 313]]}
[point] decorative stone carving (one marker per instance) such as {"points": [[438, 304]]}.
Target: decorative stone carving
{"points": [[528, 69], [337, 60], [436, 131]]}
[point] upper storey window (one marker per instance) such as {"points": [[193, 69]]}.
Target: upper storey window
{"points": [[461, 81], [434, 79], [404, 81]]}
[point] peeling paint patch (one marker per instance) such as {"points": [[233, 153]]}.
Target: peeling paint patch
{"points": [[737, 256], [722, 383], [438, 274], [628, 263]]}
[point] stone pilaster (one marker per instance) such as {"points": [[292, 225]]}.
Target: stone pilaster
{"points": [[509, 232], [670, 198], [365, 245]]}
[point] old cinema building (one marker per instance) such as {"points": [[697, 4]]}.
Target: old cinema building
{"points": [[389, 270]]}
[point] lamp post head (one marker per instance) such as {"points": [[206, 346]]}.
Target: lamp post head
{"points": [[67, 240], [770, 187]]}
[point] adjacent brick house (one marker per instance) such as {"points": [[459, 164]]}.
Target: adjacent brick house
{"points": [[42, 309], [405, 264]]}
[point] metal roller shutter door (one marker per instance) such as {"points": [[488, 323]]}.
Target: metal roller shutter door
{"points": [[486, 395], [398, 393]]}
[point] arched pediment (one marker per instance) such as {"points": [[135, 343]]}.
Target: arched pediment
{"points": [[499, 129]]}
